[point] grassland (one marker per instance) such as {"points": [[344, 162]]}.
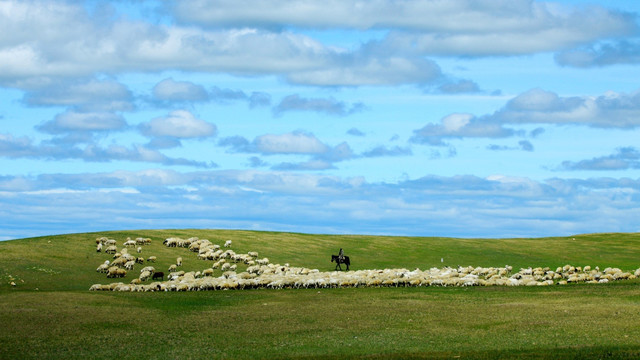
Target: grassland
{"points": [[51, 313]]}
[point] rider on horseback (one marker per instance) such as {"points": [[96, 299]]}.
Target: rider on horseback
{"points": [[341, 256]]}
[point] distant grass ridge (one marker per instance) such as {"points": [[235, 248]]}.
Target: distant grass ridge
{"points": [[68, 262], [61, 319]]}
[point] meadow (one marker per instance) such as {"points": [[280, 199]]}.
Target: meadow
{"points": [[50, 312]]}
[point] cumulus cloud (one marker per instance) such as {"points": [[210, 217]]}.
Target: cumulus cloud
{"points": [[180, 124], [75, 121], [172, 91], [297, 142], [70, 42], [303, 166], [459, 125], [602, 54], [371, 67], [624, 158], [454, 16], [537, 106], [289, 143], [381, 150], [23, 147], [182, 91], [83, 95], [495, 206], [459, 87], [320, 155], [523, 145], [328, 106], [463, 27]]}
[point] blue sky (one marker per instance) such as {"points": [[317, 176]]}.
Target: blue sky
{"points": [[433, 118]]}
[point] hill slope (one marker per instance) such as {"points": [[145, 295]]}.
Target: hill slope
{"points": [[68, 262]]}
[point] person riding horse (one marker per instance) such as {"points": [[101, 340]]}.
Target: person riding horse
{"points": [[341, 255]]}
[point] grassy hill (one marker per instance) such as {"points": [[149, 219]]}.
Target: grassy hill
{"points": [[51, 314]]}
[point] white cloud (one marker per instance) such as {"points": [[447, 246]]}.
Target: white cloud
{"points": [[69, 42], [610, 110], [459, 125], [363, 69], [290, 143], [179, 124], [71, 121], [171, 90], [496, 206], [461, 27], [328, 106], [438, 16], [536, 106], [86, 95]]}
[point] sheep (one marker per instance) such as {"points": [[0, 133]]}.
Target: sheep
{"points": [[129, 243], [112, 249], [139, 249], [99, 247], [151, 259], [116, 272], [103, 268], [145, 275], [143, 241], [284, 276], [227, 243], [207, 272], [140, 260], [129, 265], [179, 261], [172, 268], [253, 254]]}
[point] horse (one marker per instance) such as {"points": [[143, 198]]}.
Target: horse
{"points": [[345, 261], [158, 275]]}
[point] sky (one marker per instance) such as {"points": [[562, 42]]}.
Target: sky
{"points": [[461, 118]]}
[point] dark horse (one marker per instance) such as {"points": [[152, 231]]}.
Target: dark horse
{"points": [[345, 261]]}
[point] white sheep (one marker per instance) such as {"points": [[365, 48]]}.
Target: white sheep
{"points": [[145, 275], [179, 261], [99, 247], [227, 243], [151, 259]]}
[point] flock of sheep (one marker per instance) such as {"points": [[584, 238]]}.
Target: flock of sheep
{"points": [[260, 273]]}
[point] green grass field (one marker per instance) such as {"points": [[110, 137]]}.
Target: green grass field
{"points": [[51, 314]]}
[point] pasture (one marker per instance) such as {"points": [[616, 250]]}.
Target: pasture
{"points": [[50, 313]]}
